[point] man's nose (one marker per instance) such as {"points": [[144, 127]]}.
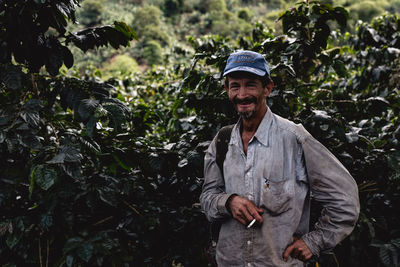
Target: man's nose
{"points": [[242, 91]]}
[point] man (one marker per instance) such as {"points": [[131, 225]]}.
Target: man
{"points": [[271, 167]]}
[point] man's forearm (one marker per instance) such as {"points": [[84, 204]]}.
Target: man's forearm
{"points": [[333, 186]]}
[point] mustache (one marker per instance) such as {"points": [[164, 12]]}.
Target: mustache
{"points": [[246, 100]]}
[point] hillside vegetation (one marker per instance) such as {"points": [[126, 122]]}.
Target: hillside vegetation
{"points": [[165, 25]]}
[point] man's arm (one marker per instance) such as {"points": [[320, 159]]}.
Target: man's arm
{"points": [[214, 200], [213, 197], [333, 186]]}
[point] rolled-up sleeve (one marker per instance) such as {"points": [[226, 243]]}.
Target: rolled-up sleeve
{"points": [[332, 186], [213, 197]]}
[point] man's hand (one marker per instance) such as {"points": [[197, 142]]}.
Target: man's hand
{"points": [[244, 210], [298, 250]]}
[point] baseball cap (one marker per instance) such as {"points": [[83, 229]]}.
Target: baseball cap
{"points": [[247, 61]]}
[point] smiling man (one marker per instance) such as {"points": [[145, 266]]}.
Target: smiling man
{"points": [[261, 196]]}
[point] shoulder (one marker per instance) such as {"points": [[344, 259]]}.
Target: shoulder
{"points": [[290, 129]]}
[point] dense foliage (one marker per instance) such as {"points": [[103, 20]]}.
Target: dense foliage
{"points": [[109, 173], [170, 22]]}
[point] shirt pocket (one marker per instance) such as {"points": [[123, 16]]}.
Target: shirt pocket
{"points": [[277, 195]]}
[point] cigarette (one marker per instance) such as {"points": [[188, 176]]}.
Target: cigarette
{"points": [[251, 223]]}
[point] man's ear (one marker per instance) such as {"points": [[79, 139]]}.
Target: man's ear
{"points": [[226, 82], [269, 88], [226, 89]]}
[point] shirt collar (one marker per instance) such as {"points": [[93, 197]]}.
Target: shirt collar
{"points": [[261, 134]]}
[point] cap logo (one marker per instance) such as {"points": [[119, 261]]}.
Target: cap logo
{"points": [[244, 58], [248, 61]]}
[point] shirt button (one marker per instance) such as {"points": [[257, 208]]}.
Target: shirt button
{"points": [[249, 264], [249, 242]]}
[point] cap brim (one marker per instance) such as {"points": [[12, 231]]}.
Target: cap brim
{"points": [[246, 69]]}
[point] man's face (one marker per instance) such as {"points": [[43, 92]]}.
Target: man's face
{"points": [[248, 95]]}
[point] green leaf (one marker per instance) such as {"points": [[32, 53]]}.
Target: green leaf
{"points": [[86, 108], [58, 159], [31, 184], [44, 176], [120, 163], [340, 68], [85, 251], [341, 16], [119, 34], [116, 114], [32, 118], [67, 154], [72, 154], [67, 10], [5, 55], [57, 20], [68, 57], [69, 260], [4, 120], [396, 242], [46, 221], [107, 195], [73, 169], [394, 161], [15, 234], [33, 105], [2, 137], [4, 227], [55, 56], [71, 244], [91, 145], [13, 239], [12, 77], [122, 27], [40, 1], [31, 141], [90, 126], [384, 254]]}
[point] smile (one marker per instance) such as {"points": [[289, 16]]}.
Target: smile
{"points": [[244, 105], [245, 101]]}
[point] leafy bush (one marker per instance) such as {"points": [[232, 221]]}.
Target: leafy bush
{"points": [[153, 53], [244, 14], [91, 12], [365, 10], [207, 6], [154, 33], [146, 16], [119, 65], [225, 24], [173, 7]]}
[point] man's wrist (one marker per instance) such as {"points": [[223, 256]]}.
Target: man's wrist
{"points": [[228, 203], [311, 240]]}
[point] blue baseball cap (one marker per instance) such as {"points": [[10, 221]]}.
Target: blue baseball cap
{"points": [[247, 61]]}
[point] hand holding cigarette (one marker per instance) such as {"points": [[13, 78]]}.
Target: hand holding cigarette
{"points": [[251, 223], [245, 211]]}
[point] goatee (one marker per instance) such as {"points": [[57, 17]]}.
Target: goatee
{"points": [[246, 115], [248, 100]]}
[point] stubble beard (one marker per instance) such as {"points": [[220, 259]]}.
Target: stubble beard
{"points": [[245, 115]]}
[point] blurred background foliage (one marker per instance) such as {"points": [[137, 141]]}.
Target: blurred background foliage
{"points": [[171, 22], [103, 128]]}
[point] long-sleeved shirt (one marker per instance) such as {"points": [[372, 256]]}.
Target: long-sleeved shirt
{"points": [[284, 165]]}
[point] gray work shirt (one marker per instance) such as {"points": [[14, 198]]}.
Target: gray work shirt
{"points": [[283, 166]]}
